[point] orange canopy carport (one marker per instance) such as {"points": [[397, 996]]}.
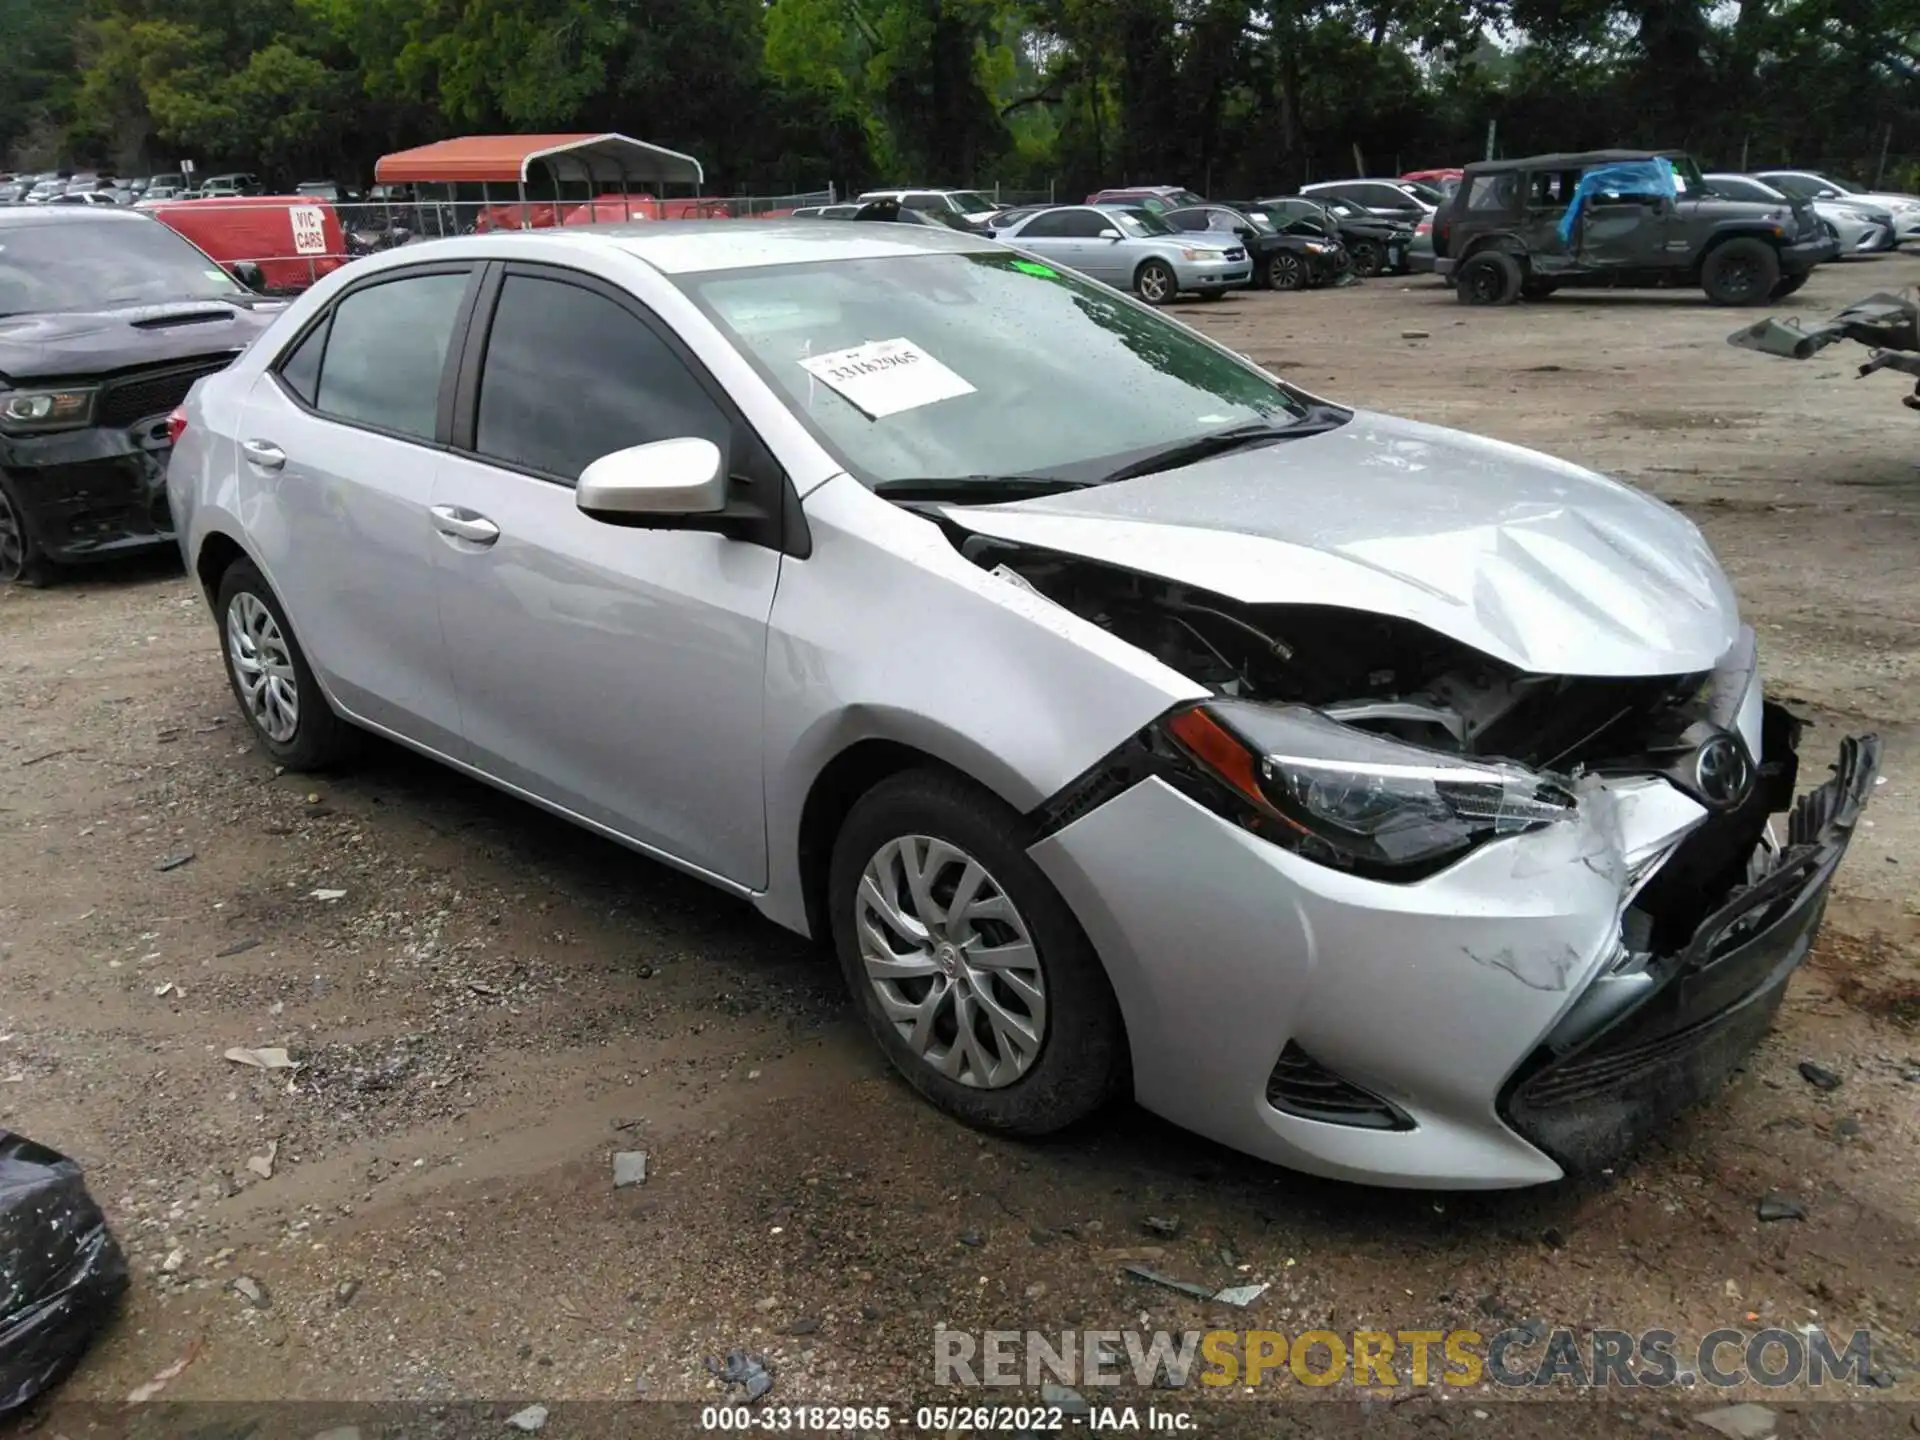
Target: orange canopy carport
{"points": [[509, 159]]}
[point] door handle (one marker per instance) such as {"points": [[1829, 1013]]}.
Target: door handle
{"points": [[464, 525], [263, 455]]}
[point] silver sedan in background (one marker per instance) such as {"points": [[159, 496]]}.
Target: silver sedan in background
{"points": [[1132, 249], [1859, 226], [1374, 798]]}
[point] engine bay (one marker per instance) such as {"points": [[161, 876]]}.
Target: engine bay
{"points": [[1376, 672]]}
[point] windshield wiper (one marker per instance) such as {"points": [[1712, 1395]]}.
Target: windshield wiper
{"points": [[1317, 421], [976, 489]]}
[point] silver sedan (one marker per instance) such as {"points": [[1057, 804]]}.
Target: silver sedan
{"points": [[1132, 249], [1371, 797]]}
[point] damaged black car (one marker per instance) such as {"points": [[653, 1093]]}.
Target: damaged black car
{"points": [[106, 320]]}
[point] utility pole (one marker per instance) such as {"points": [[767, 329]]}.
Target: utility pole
{"points": [[1492, 129]]}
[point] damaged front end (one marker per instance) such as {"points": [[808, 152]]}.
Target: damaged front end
{"points": [[1888, 325], [1472, 915]]}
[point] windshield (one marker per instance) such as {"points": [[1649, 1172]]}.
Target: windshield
{"points": [[983, 365], [1422, 191], [971, 202], [1136, 221], [101, 263]]}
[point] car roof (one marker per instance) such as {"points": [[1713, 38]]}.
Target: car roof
{"points": [[1575, 160], [75, 215], [683, 247]]}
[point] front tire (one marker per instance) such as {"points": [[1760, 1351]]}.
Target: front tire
{"points": [[1743, 271], [270, 675], [1286, 271], [22, 561], [1368, 260], [967, 966], [1155, 282], [1787, 284]]}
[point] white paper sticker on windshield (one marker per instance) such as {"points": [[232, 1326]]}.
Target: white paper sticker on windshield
{"points": [[309, 229], [884, 377]]}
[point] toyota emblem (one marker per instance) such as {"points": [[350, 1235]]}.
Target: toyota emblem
{"points": [[1723, 772]]}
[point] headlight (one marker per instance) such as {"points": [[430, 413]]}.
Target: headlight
{"points": [[28, 411], [1356, 801], [1316, 247]]}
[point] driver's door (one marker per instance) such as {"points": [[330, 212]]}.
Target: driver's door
{"points": [[1625, 232], [616, 673]]}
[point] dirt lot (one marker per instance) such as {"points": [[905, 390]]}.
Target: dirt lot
{"points": [[497, 1002]]}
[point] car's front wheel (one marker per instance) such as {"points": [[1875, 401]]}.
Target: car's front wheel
{"points": [[1368, 260], [1787, 284], [1286, 271], [22, 562], [1156, 283], [271, 677], [968, 967], [1741, 271]]}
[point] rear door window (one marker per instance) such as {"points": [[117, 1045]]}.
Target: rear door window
{"points": [[387, 352]]}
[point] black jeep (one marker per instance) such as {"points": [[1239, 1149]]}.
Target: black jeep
{"points": [[1618, 218]]}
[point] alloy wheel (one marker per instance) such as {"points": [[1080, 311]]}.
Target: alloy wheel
{"points": [[263, 668], [1739, 278], [1155, 286], [13, 543], [951, 961], [1285, 271]]}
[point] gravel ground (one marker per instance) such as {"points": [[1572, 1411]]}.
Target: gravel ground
{"points": [[496, 1003]]}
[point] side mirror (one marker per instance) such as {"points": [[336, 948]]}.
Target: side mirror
{"points": [[248, 274], [1109, 234], [658, 481]]}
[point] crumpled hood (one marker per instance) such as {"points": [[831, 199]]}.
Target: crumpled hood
{"points": [[76, 344], [1542, 564]]}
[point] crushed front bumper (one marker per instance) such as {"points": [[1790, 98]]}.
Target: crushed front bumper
{"points": [[93, 494], [1707, 1007], [1247, 972]]}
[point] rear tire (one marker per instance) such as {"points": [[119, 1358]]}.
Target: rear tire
{"points": [[1491, 277], [22, 561], [1742, 271], [270, 675], [907, 850], [1155, 282]]}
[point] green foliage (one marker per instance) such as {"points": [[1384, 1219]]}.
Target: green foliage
{"points": [[1231, 95]]}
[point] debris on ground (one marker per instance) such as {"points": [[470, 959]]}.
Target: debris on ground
{"points": [[1238, 1296], [174, 862], [140, 1394], [250, 1290], [61, 1271], [175, 1259], [1740, 1422], [1775, 1206], [529, 1419], [629, 1168], [270, 1058], [1818, 1076], [1165, 1226], [262, 1165], [972, 1238], [1065, 1399], [1415, 335], [328, 895], [239, 947], [747, 1371], [344, 1292]]}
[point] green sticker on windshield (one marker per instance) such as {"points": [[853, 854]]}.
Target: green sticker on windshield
{"points": [[1030, 267]]}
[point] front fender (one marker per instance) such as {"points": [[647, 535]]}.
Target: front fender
{"points": [[887, 633]]}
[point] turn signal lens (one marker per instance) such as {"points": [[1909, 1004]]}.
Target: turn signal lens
{"points": [[176, 424]]}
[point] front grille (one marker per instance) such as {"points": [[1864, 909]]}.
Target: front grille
{"points": [[153, 392], [1301, 1085]]}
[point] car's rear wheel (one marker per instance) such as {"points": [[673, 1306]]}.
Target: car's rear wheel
{"points": [[1155, 282], [1490, 278], [22, 562], [1368, 260], [1787, 284], [968, 967], [1286, 271], [1741, 271], [270, 675]]}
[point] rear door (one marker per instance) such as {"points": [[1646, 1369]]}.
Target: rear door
{"points": [[614, 672], [339, 442]]}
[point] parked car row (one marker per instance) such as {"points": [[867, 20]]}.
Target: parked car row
{"points": [[92, 187]]}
